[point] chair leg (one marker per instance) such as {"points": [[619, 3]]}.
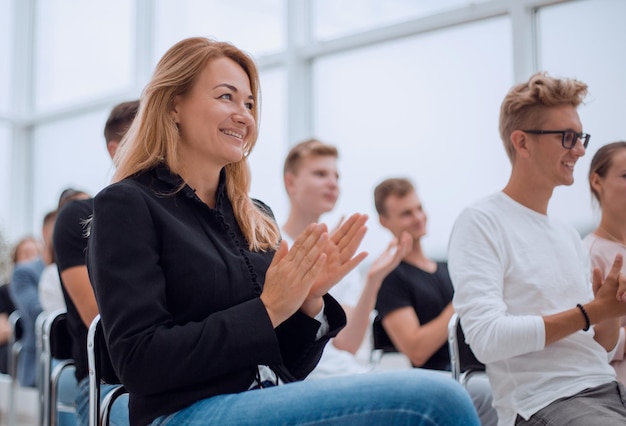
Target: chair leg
{"points": [[13, 360], [45, 391], [12, 400], [41, 367]]}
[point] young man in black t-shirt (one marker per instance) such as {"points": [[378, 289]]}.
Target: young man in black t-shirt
{"points": [[415, 299]]}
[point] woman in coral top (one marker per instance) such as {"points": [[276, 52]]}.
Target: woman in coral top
{"points": [[607, 180]]}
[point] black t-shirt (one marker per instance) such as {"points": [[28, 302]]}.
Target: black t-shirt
{"points": [[6, 303], [427, 293], [70, 244]]}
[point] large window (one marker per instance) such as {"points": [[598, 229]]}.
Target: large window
{"points": [[6, 52], [593, 54], [335, 18], [83, 50], [425, 108], [69, 153], [5, 177], [255, 26], [266, 161]]}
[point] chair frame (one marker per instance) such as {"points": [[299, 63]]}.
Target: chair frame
{"points": [[463, 362], [100, 371], [41, 318]]}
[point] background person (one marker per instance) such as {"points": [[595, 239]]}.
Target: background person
{"points": [[415, 299], [25, 295], [312, 184], [49, 288], [608, 186]]}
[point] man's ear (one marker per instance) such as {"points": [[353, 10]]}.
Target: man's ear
{"points": [[383, 221], [289, 179], [112, 148], [519, 140]]}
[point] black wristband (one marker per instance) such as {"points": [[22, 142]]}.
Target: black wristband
{"points": [[582, 309]]}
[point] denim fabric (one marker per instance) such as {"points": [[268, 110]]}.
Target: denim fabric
{"points": [[603, 405], [23, 290], [407, 397], [119, 412]]}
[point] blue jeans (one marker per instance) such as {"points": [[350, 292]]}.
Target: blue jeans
{"points": [[119, 411], [408, 397]]}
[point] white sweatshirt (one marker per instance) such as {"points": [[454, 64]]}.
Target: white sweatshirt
{"points": [[510, 266]]}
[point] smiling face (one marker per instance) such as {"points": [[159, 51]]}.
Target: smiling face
{"points": [[215, 117], [314, 187], [404, 214], [549, 161]]}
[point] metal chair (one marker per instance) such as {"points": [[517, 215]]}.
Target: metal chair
{"points": [[463, 362], [100, 371], [15, 347], [56, 345]]}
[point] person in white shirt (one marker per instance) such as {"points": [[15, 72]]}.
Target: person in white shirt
{"points": [[608, 186], [311, 180], [522, 279]]}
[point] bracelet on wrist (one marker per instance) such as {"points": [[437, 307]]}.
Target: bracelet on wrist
{"points": [[587, 322]]}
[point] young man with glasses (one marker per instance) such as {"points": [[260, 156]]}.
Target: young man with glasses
{"points": [[523, 281]]}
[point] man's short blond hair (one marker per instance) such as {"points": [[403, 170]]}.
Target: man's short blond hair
{"points": [[525, 104], [307, 149]]}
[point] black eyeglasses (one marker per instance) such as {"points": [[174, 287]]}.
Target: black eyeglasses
{"points": [[568, 137]]}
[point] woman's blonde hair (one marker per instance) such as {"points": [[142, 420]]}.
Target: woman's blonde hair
{"points": [[153, 137]]}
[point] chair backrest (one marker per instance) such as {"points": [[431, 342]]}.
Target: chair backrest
{"points": [[100, 371], [381, 343], [60, 340], [17, 324], [381, 339], [56, 345], [15, 342], [463, 362]]}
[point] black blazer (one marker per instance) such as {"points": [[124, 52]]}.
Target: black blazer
{"points": [[178, 292]]}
